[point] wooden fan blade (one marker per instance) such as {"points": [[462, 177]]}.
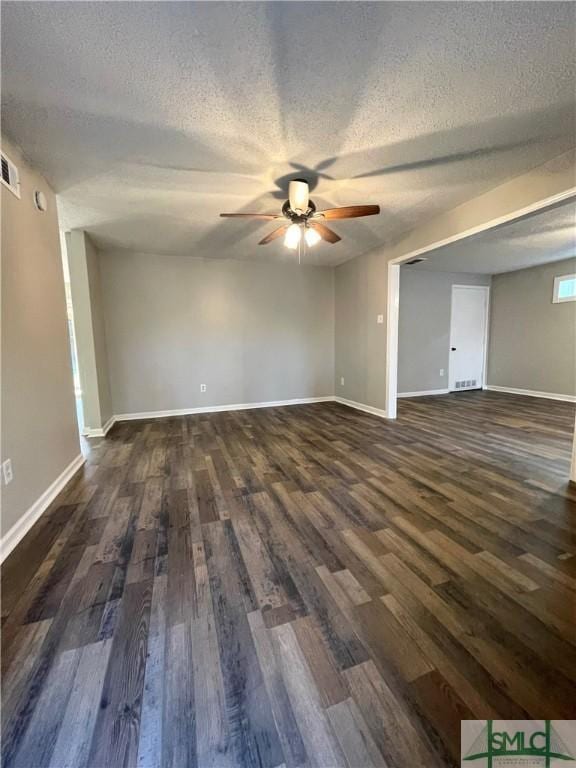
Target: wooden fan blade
{"points": [[266, 216], [279, 232], [324, 232], [349, 212]]}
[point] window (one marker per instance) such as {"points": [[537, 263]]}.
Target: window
{"points": [[564, 288]]}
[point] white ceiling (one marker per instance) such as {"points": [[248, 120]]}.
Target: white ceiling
{"points": [[151, 118], [541, 238]]}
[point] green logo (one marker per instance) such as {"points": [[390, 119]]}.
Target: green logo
{"points": [[543, 745]]}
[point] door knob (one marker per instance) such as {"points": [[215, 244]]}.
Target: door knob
{"points": [[452, 349]]}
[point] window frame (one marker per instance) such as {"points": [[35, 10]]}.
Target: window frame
{"points": [[556, 298]]}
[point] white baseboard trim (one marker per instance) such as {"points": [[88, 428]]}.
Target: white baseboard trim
{"points": [[220, 408], [23, 525], [424, 393], [361, 407], [87, 432], [533, 393]]}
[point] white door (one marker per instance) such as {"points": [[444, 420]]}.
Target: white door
{"points": [[468, 326]]}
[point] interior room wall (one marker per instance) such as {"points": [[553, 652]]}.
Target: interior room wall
{"points": [[532, 340], [424, 326], [39, 431], [85, 288], [360, 290], [252, 332]]}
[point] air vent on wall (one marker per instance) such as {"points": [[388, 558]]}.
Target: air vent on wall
{"points": [[10, 176], [416, 261], [466, 384]]}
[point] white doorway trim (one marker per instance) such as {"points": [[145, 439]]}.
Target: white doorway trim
{"points": [[485, 289], [393, 289]]}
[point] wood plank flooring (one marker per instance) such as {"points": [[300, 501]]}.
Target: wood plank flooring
{"points": [[301, 586]]}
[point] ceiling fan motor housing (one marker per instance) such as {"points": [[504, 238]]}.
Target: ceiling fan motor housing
{"points": [[295, 216]]}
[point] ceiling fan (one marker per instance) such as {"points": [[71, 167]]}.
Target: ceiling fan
{"points": [[303, 218]]}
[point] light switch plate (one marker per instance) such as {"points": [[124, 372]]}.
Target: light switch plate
{"points": [[380, 319]]}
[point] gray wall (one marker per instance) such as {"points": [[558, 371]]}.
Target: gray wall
{"points": [[360, 340], [99, 332], [251, 332], [85, 288], [532, 340], [424, 326], [39, 432]]}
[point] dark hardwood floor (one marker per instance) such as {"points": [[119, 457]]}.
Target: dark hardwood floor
{"points": [[297, 586]]}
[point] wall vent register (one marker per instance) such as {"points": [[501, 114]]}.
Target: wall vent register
{"points": [[466, 384], [10, 176]]}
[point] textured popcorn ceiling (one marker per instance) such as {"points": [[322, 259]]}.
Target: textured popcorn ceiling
{"points": [[150, 118], [540, 238]]}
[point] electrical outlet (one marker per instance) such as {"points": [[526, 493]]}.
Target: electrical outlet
{"points": [[202, 387], [380, 319], [441, 371], [7, 471], [341, 381]]}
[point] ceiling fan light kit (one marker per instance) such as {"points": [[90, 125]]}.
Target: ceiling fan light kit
{"points": [[302, 215]]}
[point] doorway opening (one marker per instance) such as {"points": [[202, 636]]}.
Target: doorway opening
{"points": [[72, 338], [531, 350]]}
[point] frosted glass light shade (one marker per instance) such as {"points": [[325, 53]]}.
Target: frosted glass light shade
{"points": [[292, 236], [312, 237]]}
